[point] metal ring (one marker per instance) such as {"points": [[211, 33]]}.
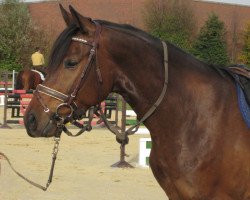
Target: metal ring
{"points": [[67, 105]]}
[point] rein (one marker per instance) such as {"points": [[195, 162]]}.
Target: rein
{"points": [[54, 156]]}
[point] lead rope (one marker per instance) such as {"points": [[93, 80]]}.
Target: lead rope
{"points": [[54, 156]]}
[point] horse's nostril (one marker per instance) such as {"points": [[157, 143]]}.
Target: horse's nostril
{"points": [[32, 122]]}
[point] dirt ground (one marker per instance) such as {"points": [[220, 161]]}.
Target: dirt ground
{"points": [[82, 169]]}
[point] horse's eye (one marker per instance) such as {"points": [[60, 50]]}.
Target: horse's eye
{"points": [[70, 63]]}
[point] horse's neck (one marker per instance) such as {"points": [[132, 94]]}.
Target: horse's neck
{"points": [[141, 79]]}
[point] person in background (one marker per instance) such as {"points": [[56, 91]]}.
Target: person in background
{"points": [[37, 60]]}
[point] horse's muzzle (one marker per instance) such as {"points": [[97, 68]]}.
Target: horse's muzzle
{"points": [[31, 124], [36, 129]]}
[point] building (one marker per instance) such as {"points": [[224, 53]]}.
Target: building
{"points": [[47, 14]]}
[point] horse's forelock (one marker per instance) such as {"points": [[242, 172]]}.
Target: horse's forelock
{"points": [[63, 41], [61, 46]]}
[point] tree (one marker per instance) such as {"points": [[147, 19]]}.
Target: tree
{"points": [[245, 55], [210, 45], [234, 36], [18, 35], [171, 20]]}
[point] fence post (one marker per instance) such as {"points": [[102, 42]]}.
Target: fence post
{"points": [[13, 80], [5, 125], [122, 163]]}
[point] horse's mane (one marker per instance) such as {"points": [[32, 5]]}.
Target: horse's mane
{"points": [[130, 30], [63, 41]]}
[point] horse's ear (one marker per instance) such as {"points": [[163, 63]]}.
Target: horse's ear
{"points": [[66, 16], [84, 23]]}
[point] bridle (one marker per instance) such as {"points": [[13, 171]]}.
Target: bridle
{"points": [[67, 101]]}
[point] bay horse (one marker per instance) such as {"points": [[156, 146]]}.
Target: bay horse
{"points": [[200, 143], [28, 79]]}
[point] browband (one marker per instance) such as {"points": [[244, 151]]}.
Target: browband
{"points": [[52, 93]]}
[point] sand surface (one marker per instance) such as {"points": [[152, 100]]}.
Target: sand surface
{"points": [[82, 169]]}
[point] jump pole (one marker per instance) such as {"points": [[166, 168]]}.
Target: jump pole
{"points": [[122, 163], [5, 125]]}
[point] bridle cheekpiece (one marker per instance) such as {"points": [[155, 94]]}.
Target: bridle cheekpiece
{"points": [[68, 100]]}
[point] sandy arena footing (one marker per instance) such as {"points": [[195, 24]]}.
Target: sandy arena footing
{"points": [[82, 168]]}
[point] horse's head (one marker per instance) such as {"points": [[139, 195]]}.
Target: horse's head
{"points": [[74, 79]]}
